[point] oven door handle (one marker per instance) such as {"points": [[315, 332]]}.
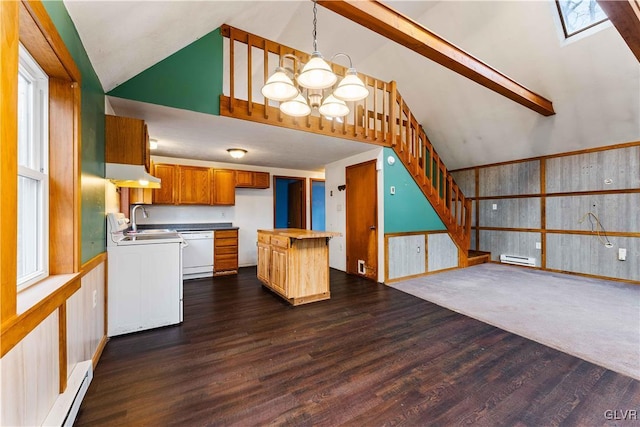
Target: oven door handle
{"points": [[184, 244]]}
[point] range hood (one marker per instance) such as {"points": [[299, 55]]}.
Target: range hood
{"points": [[123, 175]]}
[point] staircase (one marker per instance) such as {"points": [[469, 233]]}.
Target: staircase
{"points": [[383, 118]]}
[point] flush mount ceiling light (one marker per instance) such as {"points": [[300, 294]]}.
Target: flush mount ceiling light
{"points": [[314, 84], [236, 153], [153, 144]]}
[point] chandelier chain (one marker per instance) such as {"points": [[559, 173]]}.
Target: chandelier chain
{"points": [[315, 23]]}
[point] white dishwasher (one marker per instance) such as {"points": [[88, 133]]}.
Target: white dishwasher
{"points": [[197, 256]]}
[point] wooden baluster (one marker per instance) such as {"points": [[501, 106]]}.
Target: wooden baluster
{"points": [[265, 70], [385, 117], [231, 69], [249, 76], [393, 95], [375, 110]]}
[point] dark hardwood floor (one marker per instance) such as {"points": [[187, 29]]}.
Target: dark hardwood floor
{"points": [[371, 355]]}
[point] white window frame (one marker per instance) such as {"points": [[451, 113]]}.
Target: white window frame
{"points": [[36, 166]]}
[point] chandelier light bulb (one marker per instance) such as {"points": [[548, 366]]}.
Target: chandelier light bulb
{"points": [[279, 87], [351, 88], [296, 107]]}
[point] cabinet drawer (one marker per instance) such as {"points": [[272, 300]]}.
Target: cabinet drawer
{"points": [[233, 241], [226, 233], [264, 238], [226, 250], [280, 241], [225, 264]]}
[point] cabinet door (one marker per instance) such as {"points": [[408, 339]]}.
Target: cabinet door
{"points": [[165, 194], [194, 185], [244, 179], [126, 141], [261, 180], [224, 187], [278, 273], [264, 261]]}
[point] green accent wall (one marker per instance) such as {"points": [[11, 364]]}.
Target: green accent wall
{"points": [[92, 134], [190, 79], [408, 209]]}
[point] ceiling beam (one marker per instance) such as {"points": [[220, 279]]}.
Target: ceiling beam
{"points": [[399, 28], [625, 16]]}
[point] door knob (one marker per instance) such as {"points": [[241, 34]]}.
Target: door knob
{"points": [[373, 227]]}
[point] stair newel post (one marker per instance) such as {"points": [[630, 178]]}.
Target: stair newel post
{"points": [[448, 190], [393, 95], [232, 62]]}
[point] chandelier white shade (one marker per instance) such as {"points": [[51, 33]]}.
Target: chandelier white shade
{"points": [[279, 87], [316, 74], [333, 107], [296, 107], [351, 88]]}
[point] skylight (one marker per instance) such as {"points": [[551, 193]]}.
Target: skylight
{"points": [[578, 15]]}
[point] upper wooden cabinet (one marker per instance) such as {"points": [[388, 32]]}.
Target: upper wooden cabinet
{"points": [[194, 185], [224, 187], [167, 193], [126, 141], [250, 179]]}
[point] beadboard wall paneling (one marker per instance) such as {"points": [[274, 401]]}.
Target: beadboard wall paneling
{"points": [[616, 212], [510, 179], [29, 376], [85, 323], [588, 172], [474, 242], [406, 256], [510, 243], [510, 213], [593, 257], [442, 252], [466, 180]]}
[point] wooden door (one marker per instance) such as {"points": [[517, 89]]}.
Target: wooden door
{"points": [[362, 220], [295, 203], [165, 194]]}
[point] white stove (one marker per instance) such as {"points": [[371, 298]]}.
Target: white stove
{"points": [[144, 277]]}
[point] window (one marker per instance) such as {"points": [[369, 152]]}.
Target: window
{"points": [[578, 15], [33, 179]]}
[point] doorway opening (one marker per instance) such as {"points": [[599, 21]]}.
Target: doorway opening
{"points": [[289, 202], [317, 205]]}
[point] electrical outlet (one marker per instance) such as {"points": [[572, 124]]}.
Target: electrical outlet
{"points": [[538, 245], [494, 206], [95, 298], [622, 254]]}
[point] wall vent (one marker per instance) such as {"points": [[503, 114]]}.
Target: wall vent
{"points": [[518, 260], [66, 407]]}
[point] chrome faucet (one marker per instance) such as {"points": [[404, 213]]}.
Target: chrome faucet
{"points": [[134, 226]]}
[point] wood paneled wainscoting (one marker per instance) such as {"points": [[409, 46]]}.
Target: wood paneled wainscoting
{"points": [[413, 254], [561, 210]]}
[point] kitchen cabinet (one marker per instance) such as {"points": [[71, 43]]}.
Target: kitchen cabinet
{"points": [[250, 179], [194, 185], [126, 141], [294, 263], [224, 187], [225, 252], [167, 193]]}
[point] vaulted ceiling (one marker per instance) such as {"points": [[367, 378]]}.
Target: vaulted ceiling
{"points": [[592, 80]]}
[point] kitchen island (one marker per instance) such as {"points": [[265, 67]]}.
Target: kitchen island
{"points": [[294, 263]]}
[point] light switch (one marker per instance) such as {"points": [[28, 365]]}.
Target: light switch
{"points": [[494, 207], [538, 245], [622, 254], [392, 190]]}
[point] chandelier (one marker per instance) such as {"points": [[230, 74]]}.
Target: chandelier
{"points": [[314, 84]]}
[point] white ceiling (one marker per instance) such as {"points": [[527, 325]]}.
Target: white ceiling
{"points": [[594, 82]]}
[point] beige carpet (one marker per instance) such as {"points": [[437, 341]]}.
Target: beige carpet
{"points": [[595, 320]]}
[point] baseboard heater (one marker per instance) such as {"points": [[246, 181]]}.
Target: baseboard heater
{"points": [[66, 407], [518, 260]]}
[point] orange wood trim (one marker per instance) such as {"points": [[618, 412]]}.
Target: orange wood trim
{"points": [[625, 16], [553, 156], [8, 150], [415, 233], [477, 196], [93, 263], [386, 258], [615, 279], [19, 327], [563, 194], [98, 353], [582, 232], [41, 19], [62, 346], [393, 25]]}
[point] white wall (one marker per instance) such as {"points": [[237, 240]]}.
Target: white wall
{"points": [[335, 208], [253, 209]]}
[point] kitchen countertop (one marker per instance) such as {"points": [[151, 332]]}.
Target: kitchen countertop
{"points": [[190, 227], [297, 233]]}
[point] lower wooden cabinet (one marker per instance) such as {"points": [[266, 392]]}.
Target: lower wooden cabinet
{"points": [[225, 252], [295, 264]]}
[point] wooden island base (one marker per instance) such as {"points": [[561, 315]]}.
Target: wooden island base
{"points": [[294, 263]]}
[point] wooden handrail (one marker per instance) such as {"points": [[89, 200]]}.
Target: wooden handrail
{"points": [[383, 118]]}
